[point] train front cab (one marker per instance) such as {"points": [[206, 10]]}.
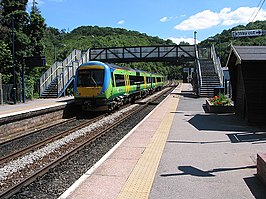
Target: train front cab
{"points": [[91, 89]]}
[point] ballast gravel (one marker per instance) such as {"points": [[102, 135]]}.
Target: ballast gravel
{"points": [[21, 163]]}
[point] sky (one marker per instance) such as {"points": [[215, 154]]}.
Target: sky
{"points": [[168, 19]]}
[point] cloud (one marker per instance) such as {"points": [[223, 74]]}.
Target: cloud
{"points": [[185, 39], [164, 19], [227, 17], [121, 22]]}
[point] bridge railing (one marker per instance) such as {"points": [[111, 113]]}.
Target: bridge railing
{"points": [[198, 71], [217, 64], [143, 53], [56, 69]]}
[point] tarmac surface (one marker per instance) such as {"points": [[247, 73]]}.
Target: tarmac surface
{"points": [[209, 155], [205, 155]]}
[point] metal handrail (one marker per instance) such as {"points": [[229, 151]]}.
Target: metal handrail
{"points": [[69, 72], [217, 64], [56, 69], [199, 78]]}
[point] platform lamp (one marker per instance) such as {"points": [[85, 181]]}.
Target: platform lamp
{"points": [[195, 37], [14, 64]]}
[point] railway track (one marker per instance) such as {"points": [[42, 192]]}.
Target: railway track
{"points": [[47, 140], [98, 128]]}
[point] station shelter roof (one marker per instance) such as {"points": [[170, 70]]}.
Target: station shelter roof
{"points": [[239, 54]]}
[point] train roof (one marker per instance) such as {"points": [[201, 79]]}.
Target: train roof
{"points": [[113, 66]]}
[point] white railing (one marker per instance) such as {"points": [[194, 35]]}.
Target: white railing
{"points": [[70, 71], [57, 68], [64, 78], [199, 78], [85, 57], [217, 65]]}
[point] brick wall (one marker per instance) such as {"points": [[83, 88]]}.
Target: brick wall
{"points": [[261, 166]]}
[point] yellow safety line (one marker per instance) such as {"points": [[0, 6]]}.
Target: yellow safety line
{"points": [[139, 183]]}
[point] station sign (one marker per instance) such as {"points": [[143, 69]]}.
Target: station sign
{"points": [[247, 33]]}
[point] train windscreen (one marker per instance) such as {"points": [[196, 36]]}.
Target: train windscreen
{"points": [[90, 78]]}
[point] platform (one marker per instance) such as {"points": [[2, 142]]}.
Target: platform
{"points": [[33, 105], [179, 151]]}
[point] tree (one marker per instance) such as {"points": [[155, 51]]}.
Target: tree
{"points": [[14, 20], [36, 31]]}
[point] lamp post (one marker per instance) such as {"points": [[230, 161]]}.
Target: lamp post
{"points": [[14, 64], [195, 37], [58, 45], [211, 39], [54, 53], [93, 44]]}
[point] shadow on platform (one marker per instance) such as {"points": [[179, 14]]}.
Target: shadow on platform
{"points": [[193, 171], [224, 122], [188, 94], [255, 185]]}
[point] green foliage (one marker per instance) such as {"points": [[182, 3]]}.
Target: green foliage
{"points": [[86, 37], [28, 32], [5, 61], [220, 100], [223, 41]]}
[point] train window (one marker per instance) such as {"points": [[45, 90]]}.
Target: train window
{"points": [[90, 78], [148, 80], [119, 80], [134, 80], [153, 79], [159, 79]]}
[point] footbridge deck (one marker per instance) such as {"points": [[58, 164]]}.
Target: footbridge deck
{"points": [[169, 53]]}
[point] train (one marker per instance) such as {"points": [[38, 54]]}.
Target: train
{"points": [[104, 87]]}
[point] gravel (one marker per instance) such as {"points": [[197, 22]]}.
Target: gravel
{"points": [[58, 179], [9, 170]]}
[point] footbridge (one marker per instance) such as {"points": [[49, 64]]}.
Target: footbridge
{"points": [[172, 53], [59, 76]]}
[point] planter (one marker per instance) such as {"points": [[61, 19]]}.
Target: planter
{"points": [[219, 109]]}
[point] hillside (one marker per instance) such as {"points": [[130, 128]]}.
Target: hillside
{"points": [[85, 37], [223, 40]]}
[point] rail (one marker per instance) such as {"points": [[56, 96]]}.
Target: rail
{"points": [[217, 64], [71, 148], [198, 73]]}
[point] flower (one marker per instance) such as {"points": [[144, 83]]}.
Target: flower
{"points": [[220, 100]]}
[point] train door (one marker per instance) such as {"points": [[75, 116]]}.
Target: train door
{"points": [[127, 83]]}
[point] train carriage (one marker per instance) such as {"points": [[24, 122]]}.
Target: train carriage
{"points": [[102, 87]]}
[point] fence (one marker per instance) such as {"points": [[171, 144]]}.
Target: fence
{"points": [[7, 94]]}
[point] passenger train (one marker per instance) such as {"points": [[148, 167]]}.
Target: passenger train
{"points": [[104, 87]]}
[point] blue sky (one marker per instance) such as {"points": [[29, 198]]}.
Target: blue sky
{"points": [[167, 19]]}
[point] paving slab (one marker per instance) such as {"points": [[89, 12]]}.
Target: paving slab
{"points": [[209, 155]]}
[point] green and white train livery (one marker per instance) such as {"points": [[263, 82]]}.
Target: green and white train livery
{"points": [[101, 87]]}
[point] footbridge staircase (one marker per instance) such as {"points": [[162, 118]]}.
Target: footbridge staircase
{"points": [[209, 73], [60, 75], [55, 81]]}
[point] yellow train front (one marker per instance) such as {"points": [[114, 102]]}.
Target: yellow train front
{"points": [[104, 87]]}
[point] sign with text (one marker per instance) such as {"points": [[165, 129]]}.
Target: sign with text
{"points": [[247, 33]]}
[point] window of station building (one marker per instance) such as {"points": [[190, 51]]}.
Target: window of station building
{"points": [[119, 80]]}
